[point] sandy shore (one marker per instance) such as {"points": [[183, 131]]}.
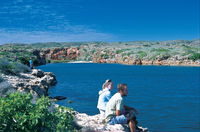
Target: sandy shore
{"points": [[81, 62]]}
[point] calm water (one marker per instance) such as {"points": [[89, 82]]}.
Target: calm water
{"points": [[168, 98]]}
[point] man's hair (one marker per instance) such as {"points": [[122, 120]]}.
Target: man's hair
{"points": [[121, 87]]}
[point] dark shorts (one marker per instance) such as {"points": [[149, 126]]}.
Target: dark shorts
{"points": [[124, 118]]}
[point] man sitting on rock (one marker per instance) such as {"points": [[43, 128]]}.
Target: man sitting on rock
{"points": [[117, 112]]}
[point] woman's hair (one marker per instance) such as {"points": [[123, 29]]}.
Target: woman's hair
{"points": [[107, 82]]}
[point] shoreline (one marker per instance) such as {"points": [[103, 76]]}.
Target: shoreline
{"points": [[156, 64], [80, 62]]}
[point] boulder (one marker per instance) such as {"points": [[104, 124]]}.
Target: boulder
{"points": [[37, 82], [37, 73], [58, 97]]}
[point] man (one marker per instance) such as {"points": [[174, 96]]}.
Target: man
{"points": [[117, 112]]}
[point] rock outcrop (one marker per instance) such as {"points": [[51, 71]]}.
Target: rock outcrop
{"points": [[66, 53], [36, 82], [95, 124], [130, 61]]}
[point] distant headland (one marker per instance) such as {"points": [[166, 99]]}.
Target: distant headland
{"points": [[174, 52]]}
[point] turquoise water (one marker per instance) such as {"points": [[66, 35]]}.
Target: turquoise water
{"points": [[168, 98]]}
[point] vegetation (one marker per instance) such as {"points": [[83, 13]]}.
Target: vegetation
{"points": [[58, 61], [141, 54], [195, 56], [150, 50], [160, 50], [121, 51], [18, 113], [12, 68], [105, 56]]}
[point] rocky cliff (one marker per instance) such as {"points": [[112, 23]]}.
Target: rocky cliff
{"points": [[36, 82]]}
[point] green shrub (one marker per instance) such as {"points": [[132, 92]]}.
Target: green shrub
{"points": [[141, 54], [13, 68], [18, 113], [146, 45], [194, 56], [24, 60], [121, 51], [3, 53], [105, 56], [160, 50]]}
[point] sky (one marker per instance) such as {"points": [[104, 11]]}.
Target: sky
{"points": [[30, 21]]}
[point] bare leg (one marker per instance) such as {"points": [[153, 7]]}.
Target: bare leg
{"points": [[132, 125]]}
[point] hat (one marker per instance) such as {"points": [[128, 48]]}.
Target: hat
{"points": [[108, 80]]}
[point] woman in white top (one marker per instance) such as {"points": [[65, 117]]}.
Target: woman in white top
{"points": [[104, 96]]}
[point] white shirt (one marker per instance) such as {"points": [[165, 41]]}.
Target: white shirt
{"points": [[115, 103], [104, 97]]}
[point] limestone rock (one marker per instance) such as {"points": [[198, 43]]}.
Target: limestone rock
{"points": [[95, 124], [37, 73], [36, 82]]}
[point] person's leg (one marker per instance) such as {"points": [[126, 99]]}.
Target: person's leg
{"points": [[123, 120], [132, 125], [118, 120], [130, 114]]}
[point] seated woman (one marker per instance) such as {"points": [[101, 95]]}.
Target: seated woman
{"points": [[104, 96]]}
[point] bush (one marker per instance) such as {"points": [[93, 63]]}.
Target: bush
{"points": [[19, 114], [121, 51], [24, 60], [104, 56], [141, 54], [13, 68], [194, 56], [160, 50]]}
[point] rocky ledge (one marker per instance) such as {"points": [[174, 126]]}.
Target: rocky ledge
{"points": [[95, 124], [38, 82], [35, 82]]}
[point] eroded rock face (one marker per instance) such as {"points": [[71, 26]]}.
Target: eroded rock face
{"points": [[37, 82], [95, 124], [41, 58], [66, 53]]}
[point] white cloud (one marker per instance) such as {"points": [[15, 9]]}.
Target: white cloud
{"points": [[28, 21], [38, 36]]}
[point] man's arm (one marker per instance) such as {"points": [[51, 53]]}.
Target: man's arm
{"points": [[119, 106], [118, 112], [130, 108]]}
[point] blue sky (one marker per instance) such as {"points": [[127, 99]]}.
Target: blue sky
{"points": [[98, 20]]}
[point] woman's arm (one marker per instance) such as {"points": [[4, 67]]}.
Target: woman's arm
{"points": [[108, 95]]}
